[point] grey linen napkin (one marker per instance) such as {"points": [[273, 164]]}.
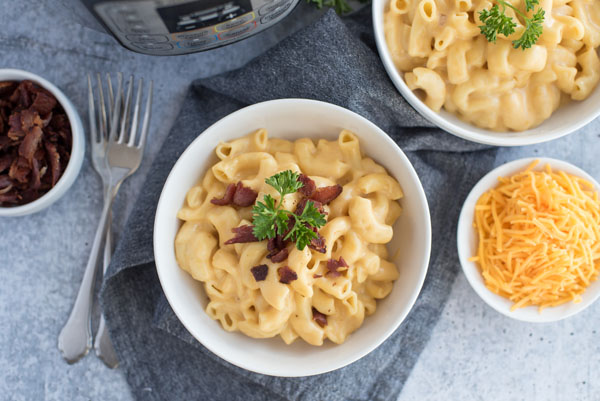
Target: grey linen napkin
{"points": [[334, 61]]}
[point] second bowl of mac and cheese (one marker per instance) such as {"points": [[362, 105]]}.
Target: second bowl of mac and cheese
{"points": [[486, 87], [298, 304]]}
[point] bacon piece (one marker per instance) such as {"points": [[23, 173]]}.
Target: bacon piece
{"points": [[35, 174], [286, 275], [5, 161], [19, 170], [309, 185], [317, 275], [319, 317], [318, 244], [30, 143], [327, 194], [333, 265], [276, 244], [7, 87], [277, 249], [260, 272], [20, 96], [53, 161], [244, 196], [11, 198], [43, 103], [238, 195], [5, 142], [5, 182], [280, 256], [227, 198], [302, 204], [16, 131], [243, 234]]}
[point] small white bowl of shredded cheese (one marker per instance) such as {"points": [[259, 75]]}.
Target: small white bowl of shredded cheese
{"points": [[544, 263]]}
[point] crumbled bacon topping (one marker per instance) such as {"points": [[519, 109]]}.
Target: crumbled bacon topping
{"points": [[333, 266], [280, 256], [302, 204], [319, 318], [227, 197], [317, 275], [260, 272], [309, 185], [35, 142], [244, 196], [327, 194], [237, 195], [277, 249], [286, 275], [242, 234], [318, 244]]}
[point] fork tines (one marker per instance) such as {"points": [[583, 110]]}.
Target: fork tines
{"points": [[117, 118]]}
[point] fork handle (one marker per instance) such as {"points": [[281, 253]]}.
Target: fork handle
{"points": [[102, 344], [75, 338]]}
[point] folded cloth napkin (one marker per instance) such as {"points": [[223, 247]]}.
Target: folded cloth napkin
{"points": [[331, 60]]}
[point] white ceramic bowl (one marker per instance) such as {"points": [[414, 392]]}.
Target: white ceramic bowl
{"points": [[293, 119], [467, 246], [77, 151], [567, 119]]}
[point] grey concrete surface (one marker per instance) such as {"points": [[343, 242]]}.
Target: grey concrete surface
{"points": [[474, 354]]}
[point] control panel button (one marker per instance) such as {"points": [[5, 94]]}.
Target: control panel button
{"points": [[225, 26], [154, 46], [148, 38], [234, 33], [186, 44], [275, 14], [194, 34], [267, 8]]}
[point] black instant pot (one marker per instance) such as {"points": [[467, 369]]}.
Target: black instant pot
{"points": [[172, 27]]}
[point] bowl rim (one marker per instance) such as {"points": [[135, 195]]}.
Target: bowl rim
{"points": [[77, 147], [465, 232], [439, 120], [423, 268]]}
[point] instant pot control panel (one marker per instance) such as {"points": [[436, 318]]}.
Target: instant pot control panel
{"points": [[170, 27]]}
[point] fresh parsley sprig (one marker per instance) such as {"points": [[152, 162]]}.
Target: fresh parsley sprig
{"points": [[270, 219], [341, 6], [496, 21]]}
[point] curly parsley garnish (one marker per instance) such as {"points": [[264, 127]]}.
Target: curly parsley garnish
{"points": [[341, 6], [496, 21], [270, 219]]}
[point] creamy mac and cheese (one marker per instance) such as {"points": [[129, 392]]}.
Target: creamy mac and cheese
{"points": [[438, 44], [314, 305]]}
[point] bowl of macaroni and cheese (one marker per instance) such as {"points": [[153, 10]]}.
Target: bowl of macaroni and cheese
{"points": [[292, 237], [452, 63]]}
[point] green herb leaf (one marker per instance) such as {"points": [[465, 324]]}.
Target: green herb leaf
{"points": [[302, 236], [312, 216], [533, 31], [530, 3], [270, 219], [264, 218], [497, 22], [340, 6], [285, 182]]}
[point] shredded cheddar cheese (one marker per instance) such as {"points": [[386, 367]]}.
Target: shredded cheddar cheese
{"points": [[539, 237]]}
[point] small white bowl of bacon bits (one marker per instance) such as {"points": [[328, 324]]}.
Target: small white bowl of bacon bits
{"points": [[292, 237], [499, 72], [529, 239], [41, 143]]}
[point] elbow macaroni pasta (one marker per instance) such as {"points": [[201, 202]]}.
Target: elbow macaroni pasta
{"points": [[359, 224], [438, 46]]}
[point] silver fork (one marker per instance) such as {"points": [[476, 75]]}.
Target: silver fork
{"points": [[102, 344], [124, 151]]}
